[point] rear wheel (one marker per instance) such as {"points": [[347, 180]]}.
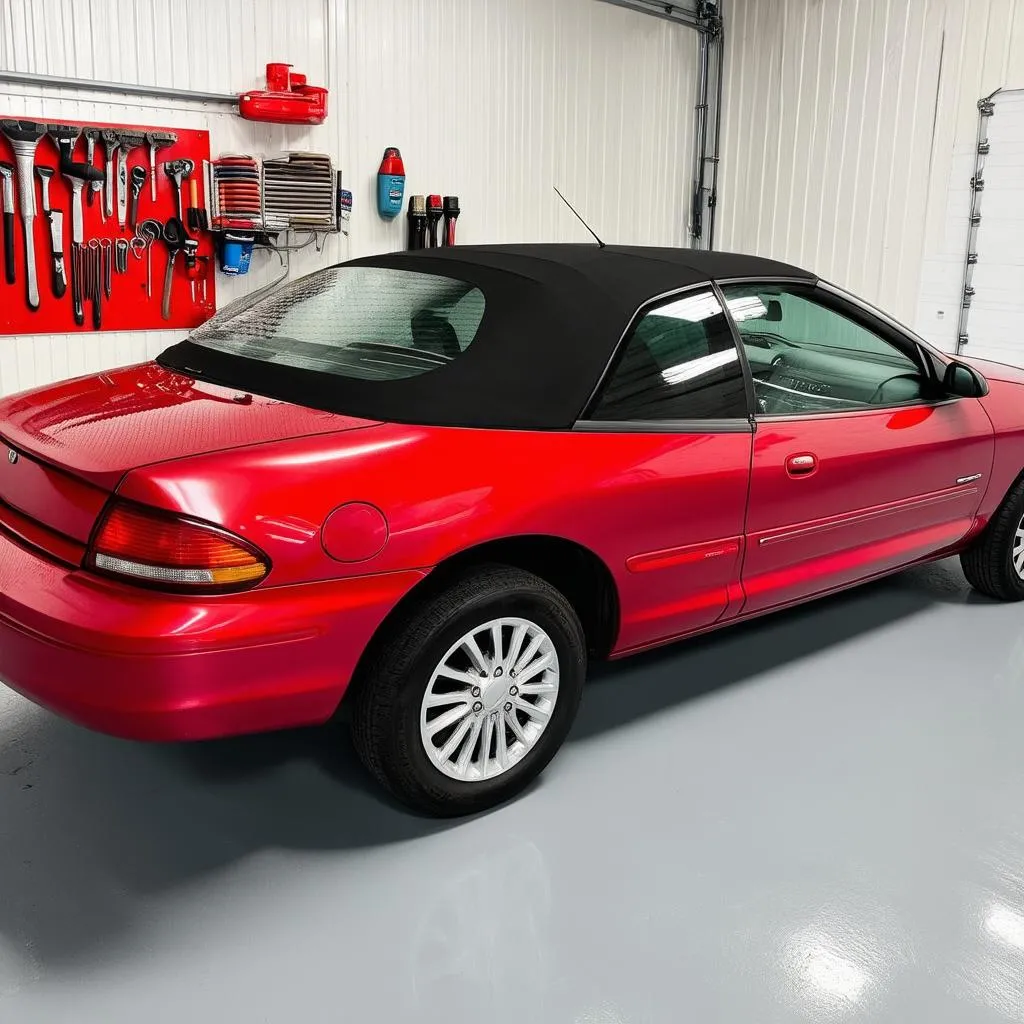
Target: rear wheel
{"points": [[994, 564], [468, 699]]}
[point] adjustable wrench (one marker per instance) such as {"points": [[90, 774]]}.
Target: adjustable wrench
{"points": [[55, 218], [92, 136], [112, 140], [138, 180], [176, 170], [24, 136], [157, 141], [129, 141], [7, 172]]}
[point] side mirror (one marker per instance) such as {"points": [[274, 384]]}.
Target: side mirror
{"points": [[963, 381]]}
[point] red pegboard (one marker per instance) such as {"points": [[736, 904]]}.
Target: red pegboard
{"points": [[128, 308]]}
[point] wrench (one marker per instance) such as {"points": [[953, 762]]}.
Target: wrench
{"points": [[92, 136], [174, 239], [112, 140], [7, 173], [176, 170], [149, 232], [157, 141], [138, 180], [129, 141], [58, 273], [24, 136]]}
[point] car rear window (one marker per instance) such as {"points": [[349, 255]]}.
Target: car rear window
{"points": [[370, 323]]}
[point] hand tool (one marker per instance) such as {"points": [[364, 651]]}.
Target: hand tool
{"points": [[129, 142], [7, 173], [77, 267], [204, 263], [112, 140], [121, 255], [433, 219], [174, 239], [451, 215], [191, 246], [77, 175], [55, 218], [107, 247], [149, 232], [24, 136], [175, 170], [157, 141], [197, 218], [94, 281], [92, 136], [417, 222], [138, 180], [64, 136], [109, 146]]}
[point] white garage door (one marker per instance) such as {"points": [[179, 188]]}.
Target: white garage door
{"points": [[996, 323]]}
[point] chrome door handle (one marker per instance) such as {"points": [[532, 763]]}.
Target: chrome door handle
{"points": [[801, 465]]}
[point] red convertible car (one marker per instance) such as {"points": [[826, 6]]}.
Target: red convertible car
{"points": [[428, 486]]}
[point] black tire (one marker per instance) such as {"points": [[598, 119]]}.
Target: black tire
{"points": [[388, 693], [988, 562]]}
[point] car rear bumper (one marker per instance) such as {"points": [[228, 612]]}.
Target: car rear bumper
{"points": [[145, 665]]}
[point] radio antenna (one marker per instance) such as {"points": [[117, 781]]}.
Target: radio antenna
{"points": [[578, 217]]}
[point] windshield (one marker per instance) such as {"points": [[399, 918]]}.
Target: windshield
{"points": [[369, 323]]}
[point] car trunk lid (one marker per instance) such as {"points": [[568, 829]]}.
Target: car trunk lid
{"points": [[68, 445]]}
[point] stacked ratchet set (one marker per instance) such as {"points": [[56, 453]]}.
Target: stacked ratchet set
{"points": [[93, 201]]}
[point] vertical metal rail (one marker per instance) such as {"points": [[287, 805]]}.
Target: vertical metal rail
{"points": [[985, 110], [702, 230], [706, 17]]}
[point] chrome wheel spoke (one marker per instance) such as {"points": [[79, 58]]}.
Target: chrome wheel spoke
{"points": [[533, 710], [468, 747], [455, 739], [465, 728], [485, 745], [440, 700], [517, 729], [476, 656], [536, 667], [538, 687], [496, 646], [1017, 554], [435, 725], [458, 676], [501, 744]]}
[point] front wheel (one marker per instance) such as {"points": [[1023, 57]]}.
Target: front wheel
{"points": [[994, 563], [469, 699]]}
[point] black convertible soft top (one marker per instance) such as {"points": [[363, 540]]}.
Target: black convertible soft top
{"points": [[553, 317]]}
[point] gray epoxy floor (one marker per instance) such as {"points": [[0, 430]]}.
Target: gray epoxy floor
{"points": [[819, 816]]}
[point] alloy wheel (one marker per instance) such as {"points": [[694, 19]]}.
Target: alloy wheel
{"points": [[489, 699], [1017, 554]]}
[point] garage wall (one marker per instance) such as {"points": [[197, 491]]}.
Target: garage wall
{"points": [[844, 133], [492, 100]]}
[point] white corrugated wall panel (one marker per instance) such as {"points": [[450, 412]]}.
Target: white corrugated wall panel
{"points": [[498, 101], [848, 137], [826, 137], [491, 100]]}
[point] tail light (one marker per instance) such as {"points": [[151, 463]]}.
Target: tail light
{"points": [[148, 545]]}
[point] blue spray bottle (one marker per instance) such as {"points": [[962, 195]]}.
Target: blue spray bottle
{"points": [[391, 184]]}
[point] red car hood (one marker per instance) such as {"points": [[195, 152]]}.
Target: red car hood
{"points": [[101, 426], [996, 371]]}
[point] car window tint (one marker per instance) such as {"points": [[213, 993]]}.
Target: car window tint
{"points": [[807, 357], [372, 323], [679, 363]]}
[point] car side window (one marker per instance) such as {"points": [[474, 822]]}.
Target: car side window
{"points": [[808, 358], [679, 363]]}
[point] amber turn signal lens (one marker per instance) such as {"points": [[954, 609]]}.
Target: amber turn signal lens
{"points": [[159, 547]]}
